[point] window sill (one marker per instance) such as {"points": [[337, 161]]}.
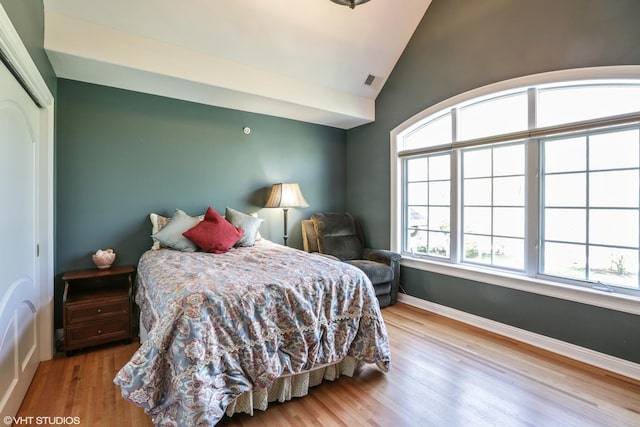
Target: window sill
{"points": [[609, 300]]}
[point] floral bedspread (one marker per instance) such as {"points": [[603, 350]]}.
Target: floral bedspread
{"points": [[220, 325]]}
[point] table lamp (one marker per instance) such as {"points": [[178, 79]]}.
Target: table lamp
{"points": [[286, 196]]}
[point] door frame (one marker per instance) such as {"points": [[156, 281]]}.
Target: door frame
{"points": [[21, 64]]}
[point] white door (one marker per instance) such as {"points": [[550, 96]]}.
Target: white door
{"points": [[19, 292]]}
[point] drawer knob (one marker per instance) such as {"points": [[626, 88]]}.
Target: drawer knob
{"points": [[99, 331], [99, 310]]}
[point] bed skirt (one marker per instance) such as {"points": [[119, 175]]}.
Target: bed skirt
{"points": [[286, 387], [290, 386]]}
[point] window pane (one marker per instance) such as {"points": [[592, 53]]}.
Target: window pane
{"points": [[565, 190], [614, 189], [569, 225], [440, 167], [565, 260], [439, 244], [417, 217], [508, 222], [417, 241], [417, 169], [477, 192], [477, 249], [613, 227], [477, 163], [574, 103], [614, 266], [508, 253], [435, 132], [439, 219], [428, 243], [477, 220], [495, 116], [508, 160], [508, 191], [565, 155], [614, 150], [417, 193], [439, 193]]}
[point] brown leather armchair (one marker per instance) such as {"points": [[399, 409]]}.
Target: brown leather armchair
{"points": [[339, 235]]}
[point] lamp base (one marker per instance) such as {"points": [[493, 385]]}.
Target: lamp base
{"points": [[285, 211]]}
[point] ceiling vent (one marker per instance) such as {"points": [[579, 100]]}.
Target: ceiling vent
{"points": [[369, 80]]}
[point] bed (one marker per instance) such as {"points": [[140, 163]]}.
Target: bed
{"points": [[231, 332]]}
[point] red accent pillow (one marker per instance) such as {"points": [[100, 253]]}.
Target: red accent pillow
{"points": [[214, 234]]}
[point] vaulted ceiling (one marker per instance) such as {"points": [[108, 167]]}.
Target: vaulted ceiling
{"points": [[306, 60]]}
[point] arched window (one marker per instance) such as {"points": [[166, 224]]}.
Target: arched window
{"points": [[538, 176]]}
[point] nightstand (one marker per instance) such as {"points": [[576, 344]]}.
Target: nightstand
{"points": [[97, 306]]}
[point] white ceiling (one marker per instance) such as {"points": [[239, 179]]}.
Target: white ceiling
{"points": [[304, 60]]}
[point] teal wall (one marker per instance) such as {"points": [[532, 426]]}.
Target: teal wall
{"points": [[123, 154], [461, 45]]}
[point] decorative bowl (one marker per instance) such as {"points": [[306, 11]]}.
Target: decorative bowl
{"points": [[104, 259]]}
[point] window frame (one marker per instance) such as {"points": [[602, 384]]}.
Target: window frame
{"points": [[538, 284], [588, 244], [493, 177], [405, 207]]}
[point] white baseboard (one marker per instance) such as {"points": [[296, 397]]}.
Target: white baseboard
{"points": [[604, 361]]}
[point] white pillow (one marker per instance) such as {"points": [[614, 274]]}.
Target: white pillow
{"points": [[249, 223], [171, 234]]}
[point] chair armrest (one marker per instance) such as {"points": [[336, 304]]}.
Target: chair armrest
{"points": [[392, 259], [382, 256]]}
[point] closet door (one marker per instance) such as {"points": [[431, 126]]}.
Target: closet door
{"points": [[19, 292]]}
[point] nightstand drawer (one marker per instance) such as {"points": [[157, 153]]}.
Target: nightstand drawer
{"points": [[80, 314], [99, 332]]}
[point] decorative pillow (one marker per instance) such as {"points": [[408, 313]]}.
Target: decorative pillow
{"points": [[337, 235], [157, 223], [170, 235], [215, 234], [258, 235], [250, 224]]}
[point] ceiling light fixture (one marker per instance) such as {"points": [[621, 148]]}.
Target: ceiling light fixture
{"points": [[351, 3]]}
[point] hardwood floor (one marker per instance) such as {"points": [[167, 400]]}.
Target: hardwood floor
{"points": [[444, 374]]}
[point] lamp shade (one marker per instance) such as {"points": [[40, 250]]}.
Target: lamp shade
{"points": [[286, 196]]}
